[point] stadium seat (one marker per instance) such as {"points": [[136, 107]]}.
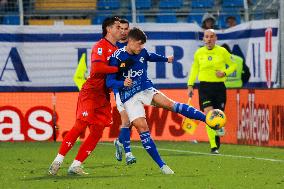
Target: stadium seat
{"points": [[108, 4], [45, 22], [100, 16], [170, 4], [202, 4], [63, 22], [166, 17], [232, 3], [77, 22], [143, 4], [139, 18], [11, 20], [258, 15], [65, 5], [195, 18]]}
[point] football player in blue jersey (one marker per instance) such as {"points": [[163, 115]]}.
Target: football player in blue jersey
{"points": [[123, 140], [136, 90]]}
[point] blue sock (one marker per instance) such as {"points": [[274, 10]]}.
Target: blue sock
{"points": [[150, 147], [189, 111], [124, 138]]}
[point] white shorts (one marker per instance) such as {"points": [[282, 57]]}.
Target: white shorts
{"points": [[119, 104], [135, 105]]}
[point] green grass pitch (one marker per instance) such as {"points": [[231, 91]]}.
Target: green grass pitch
{"points": [[25, 165]]}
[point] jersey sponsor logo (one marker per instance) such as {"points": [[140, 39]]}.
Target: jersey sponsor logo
{"points": [[100, 51], [209, 58], [133, 73]]}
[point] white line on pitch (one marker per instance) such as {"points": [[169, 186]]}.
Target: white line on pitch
{"points": [[203, 153]]}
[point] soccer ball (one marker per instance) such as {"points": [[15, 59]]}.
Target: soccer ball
{"points": [[216, 119]]}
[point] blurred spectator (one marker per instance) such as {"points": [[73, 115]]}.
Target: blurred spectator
{"points": [[231, 21], [208, 21], [242, 74]]}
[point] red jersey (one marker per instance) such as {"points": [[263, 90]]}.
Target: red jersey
{"points": [[101, 53], [93, 104]]}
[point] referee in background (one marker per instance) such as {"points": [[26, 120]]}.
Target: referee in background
{"points": [[210, 67]]}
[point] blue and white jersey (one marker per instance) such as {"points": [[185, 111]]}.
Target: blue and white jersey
{"points": [[137, 72], [119, 45]]}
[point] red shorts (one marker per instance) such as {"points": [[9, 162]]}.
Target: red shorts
{"points": [[94, 108]]}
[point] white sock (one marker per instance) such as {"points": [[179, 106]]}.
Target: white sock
{"points": [[59, 158], [128, 154], [76, 163]]}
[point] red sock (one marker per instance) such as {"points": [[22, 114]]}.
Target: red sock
{"points": [[90, 143], [71, 137]]}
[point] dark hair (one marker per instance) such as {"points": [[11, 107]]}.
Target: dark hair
{"points": [[230, 17], [137, 34], [109, 21], [226, 46], [124, 21]]}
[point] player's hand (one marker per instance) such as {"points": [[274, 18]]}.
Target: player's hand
{"points": [[190, 91], [170, 59], [125, 64], [220, 74], [127, 82]]}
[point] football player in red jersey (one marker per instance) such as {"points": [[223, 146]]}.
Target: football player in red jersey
{"points": [[93, 106]]}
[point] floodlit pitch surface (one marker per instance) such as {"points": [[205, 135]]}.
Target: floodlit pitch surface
{"points": [[25, 165]]}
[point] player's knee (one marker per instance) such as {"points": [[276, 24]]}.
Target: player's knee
{"points": [[142, 128], [141, 125]]}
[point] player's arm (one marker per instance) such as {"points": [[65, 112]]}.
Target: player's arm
{"points": [[111, 81], [100, 62], [232, 65], [101, 67], [153, 57], [79, 76]]}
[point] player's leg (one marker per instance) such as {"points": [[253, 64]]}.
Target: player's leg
{"points": [[123, 139], [212, 137], [207, 98], [188, 111], [149, 145], [86, 148], [66, 145], [219, 102], [98, 118], [136, 112]]}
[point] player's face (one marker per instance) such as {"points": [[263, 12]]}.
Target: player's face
{"points": [[115, 30], [209, 39], [135, 46], [124, 28]]}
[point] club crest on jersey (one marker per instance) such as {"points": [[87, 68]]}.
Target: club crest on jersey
{"points": [[141, 59], [209, 58], [100, 51]]}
